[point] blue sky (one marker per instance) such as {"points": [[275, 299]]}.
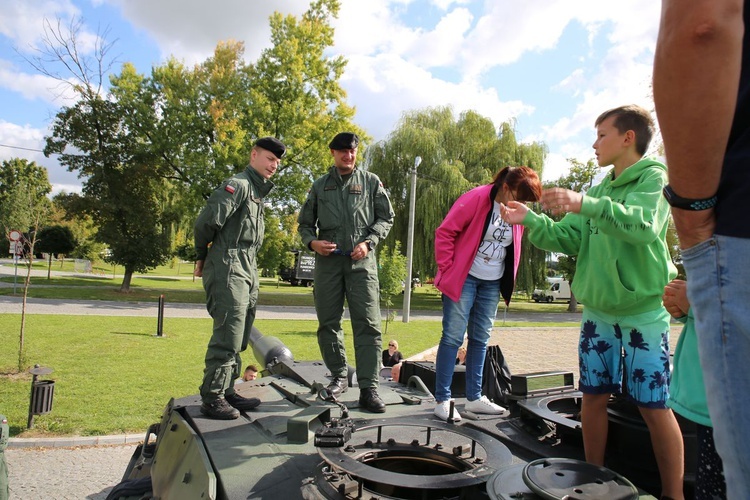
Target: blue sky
{"points": [[550, 65]]}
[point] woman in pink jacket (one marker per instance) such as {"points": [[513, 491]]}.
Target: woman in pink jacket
{"points": [[477, 255]]}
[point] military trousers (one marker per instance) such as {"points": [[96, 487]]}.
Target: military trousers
{"points": [[231, 295], [338, 277]]}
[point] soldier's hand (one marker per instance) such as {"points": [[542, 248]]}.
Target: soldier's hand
{"points": [[360, 251], [323, 247], [198, 271]]}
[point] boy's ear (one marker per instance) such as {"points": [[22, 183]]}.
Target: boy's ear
{"points": [[629, 137]]}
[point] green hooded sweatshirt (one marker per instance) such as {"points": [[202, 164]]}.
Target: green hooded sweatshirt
{"points": [[619, 237]]}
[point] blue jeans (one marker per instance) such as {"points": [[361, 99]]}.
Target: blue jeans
{"points": [[719, 293], [474, 313]]}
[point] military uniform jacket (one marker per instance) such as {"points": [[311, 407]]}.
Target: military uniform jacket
{"points": [[346, 212], [233, 216]]}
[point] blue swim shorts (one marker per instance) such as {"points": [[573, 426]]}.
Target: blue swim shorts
{"points": [[628, 354]]}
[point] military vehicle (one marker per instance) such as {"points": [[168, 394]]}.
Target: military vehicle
{"points": [[302, 273], [303, 443]]}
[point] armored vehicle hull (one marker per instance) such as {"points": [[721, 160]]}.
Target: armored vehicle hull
{"points": [[298, 445]]}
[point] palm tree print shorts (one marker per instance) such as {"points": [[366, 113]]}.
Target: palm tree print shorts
{"points": [[628, 354]]}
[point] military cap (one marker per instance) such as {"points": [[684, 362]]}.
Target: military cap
{"points": [[344, 140], [273, 145]]}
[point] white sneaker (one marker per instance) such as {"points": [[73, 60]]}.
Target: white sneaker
{"points": [[484, 405], [442, 409]]}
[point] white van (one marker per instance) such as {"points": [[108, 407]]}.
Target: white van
{"points": [[559, 289]]}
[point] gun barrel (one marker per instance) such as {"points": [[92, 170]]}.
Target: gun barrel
{"points": [[268, 350]]}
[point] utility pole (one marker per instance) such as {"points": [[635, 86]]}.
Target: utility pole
{"points": [[410, 240]]}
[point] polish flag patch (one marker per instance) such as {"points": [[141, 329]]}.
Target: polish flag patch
{"points": [[229, 188]]}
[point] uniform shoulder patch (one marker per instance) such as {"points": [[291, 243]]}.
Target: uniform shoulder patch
{"points": [[230, 188]]}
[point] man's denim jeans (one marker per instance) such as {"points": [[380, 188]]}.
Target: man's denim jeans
{"points": [[474, 314], [719, 291]]}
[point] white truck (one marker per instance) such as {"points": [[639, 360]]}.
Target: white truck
{"points": [[559, 289]]}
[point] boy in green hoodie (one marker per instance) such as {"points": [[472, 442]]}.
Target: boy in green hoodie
{"points": [[618, 231]]}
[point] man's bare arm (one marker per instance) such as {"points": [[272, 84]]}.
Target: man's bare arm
{"points": [[696, 79]]}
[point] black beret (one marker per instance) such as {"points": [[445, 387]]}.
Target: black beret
{"points": [[273, 145], [344, 140]]}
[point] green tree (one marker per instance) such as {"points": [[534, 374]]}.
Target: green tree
{"points": [[55, 240], [121, 179], [24, 206], [280, 238], [69, 210], [391, 274], [296, 96], [24, 187], [457, 155]]}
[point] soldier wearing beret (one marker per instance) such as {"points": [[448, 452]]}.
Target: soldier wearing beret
{"points": [[228, 233], [346, 214]]}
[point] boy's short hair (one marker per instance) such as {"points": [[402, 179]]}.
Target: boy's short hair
{"points": [[635, 118]]}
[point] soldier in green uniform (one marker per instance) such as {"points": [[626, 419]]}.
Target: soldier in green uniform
{"points": [[228, 234], [346, 214], [4, 430]]}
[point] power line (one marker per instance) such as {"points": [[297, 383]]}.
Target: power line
{"points": [[21, 147]]}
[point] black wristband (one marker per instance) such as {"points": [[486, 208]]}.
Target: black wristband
{"points": [[678, 201]]}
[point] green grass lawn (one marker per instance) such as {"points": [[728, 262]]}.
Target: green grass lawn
{"points": [[113, 375]]}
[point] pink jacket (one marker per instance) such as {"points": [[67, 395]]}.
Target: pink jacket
{"points": [[457, 241]]}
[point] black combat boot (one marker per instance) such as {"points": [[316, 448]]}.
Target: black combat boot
{"points": [[220, 410], [337, 386], [242, 403], [369, 400]]}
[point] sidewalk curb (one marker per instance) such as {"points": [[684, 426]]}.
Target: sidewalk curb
{"points": [[73, 441]]}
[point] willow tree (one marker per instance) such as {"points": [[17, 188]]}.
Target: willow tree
{"points": [[457, 155]]}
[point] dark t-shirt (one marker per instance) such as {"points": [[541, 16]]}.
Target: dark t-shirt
{"points": [[734, 188], [389, 360]]}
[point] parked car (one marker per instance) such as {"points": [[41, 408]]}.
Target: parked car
{"points": [[559, 289]]}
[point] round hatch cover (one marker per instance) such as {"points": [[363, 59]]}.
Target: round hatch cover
{"points": [[557, 478]]}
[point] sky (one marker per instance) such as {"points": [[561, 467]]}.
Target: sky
{"points": [[550, 66]]}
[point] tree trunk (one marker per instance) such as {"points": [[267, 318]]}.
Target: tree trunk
{"points": [[573, 305], [21, 339], [49, 266], [125, 287]]}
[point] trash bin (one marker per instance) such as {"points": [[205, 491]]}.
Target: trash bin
{"points": [[42, 392]]}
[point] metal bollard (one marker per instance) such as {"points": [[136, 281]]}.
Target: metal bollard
{"points": [[42, 394], [160, 318]]}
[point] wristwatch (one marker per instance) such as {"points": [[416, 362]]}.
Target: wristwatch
{"points": [[370, 246], [678, 201]]}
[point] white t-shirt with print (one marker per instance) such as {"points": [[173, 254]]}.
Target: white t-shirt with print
{"points": [[489, 262]]}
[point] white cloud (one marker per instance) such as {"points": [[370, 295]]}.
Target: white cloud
{"points": [[442, 46], [29, 142], [22, 21], [35, 86], [190, 29]]}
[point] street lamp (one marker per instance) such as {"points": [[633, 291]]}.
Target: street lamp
{"points": [[410, 240]]}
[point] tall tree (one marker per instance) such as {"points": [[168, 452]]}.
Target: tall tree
{"points": [[24, 186], [457, 155], [121, 182], [296, 96], [55, 240]]}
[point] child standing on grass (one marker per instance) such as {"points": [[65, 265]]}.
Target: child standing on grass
{"points": [[618, 231]]}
